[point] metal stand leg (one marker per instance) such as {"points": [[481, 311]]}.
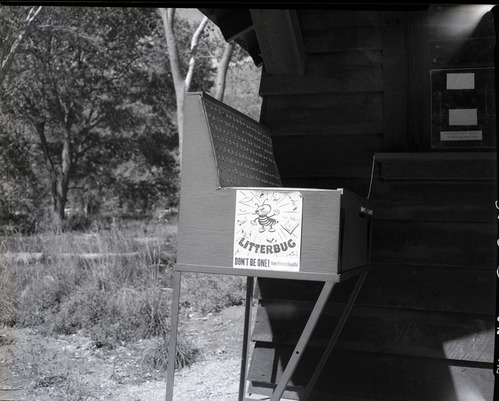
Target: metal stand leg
{"points": [[297, 352], [336, 334], [172, 349], [247, 331], [303, 341]]}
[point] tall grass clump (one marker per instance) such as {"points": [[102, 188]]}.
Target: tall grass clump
{"points": [[113, 285], [8, 290]]}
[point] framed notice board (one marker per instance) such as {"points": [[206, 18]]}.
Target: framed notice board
{"points": [[463, 108]]}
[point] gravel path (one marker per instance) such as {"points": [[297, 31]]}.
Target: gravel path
{"points": [[69, 368]]}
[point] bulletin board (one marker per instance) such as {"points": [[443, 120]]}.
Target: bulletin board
{"points": [[463, 108]]}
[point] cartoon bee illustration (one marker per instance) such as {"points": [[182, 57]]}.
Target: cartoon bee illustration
{"points": [[264, 218]]}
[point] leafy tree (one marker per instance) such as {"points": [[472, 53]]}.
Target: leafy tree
{"points": [[21, 195], [89, 84], [90, 116]]}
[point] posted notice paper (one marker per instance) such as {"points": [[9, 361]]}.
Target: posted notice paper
{"points": [[267, 232], [463, 117], [460, 81]]}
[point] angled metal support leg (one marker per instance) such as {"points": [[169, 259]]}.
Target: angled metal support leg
{"points": [[335, 335], [250, 284], [303, 340], [172, 349]]}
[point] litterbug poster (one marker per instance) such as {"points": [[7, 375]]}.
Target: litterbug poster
{"points": [[267, 232]]}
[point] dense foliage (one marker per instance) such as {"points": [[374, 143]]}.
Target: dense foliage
{"points": [[87, 111]]}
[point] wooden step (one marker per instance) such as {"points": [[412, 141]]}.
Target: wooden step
{"points": [[457, 336], [433, 288], [372, 375]]}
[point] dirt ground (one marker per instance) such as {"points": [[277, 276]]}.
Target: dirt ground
{"points": [[70, 368]]}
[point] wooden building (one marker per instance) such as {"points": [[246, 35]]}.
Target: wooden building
{"points": [[405, 96]]}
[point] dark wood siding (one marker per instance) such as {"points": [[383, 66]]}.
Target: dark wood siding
{"points": [[329, 122], [423, 325], [426, 309]]}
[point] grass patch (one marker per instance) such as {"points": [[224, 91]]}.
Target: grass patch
{"points": [[210, 293], [156, 355], [113, 285]]}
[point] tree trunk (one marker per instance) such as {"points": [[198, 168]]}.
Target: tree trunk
{"points": [[40, 129], [63, 184], [222, 71], [167, 17], [194, 48], [181, 85], [59, 179]]}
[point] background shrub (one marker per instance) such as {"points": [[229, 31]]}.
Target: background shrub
{"points": [[113, 285]]}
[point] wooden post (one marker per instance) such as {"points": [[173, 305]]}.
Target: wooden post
{"points": [[246, 336], [172, 349]]}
